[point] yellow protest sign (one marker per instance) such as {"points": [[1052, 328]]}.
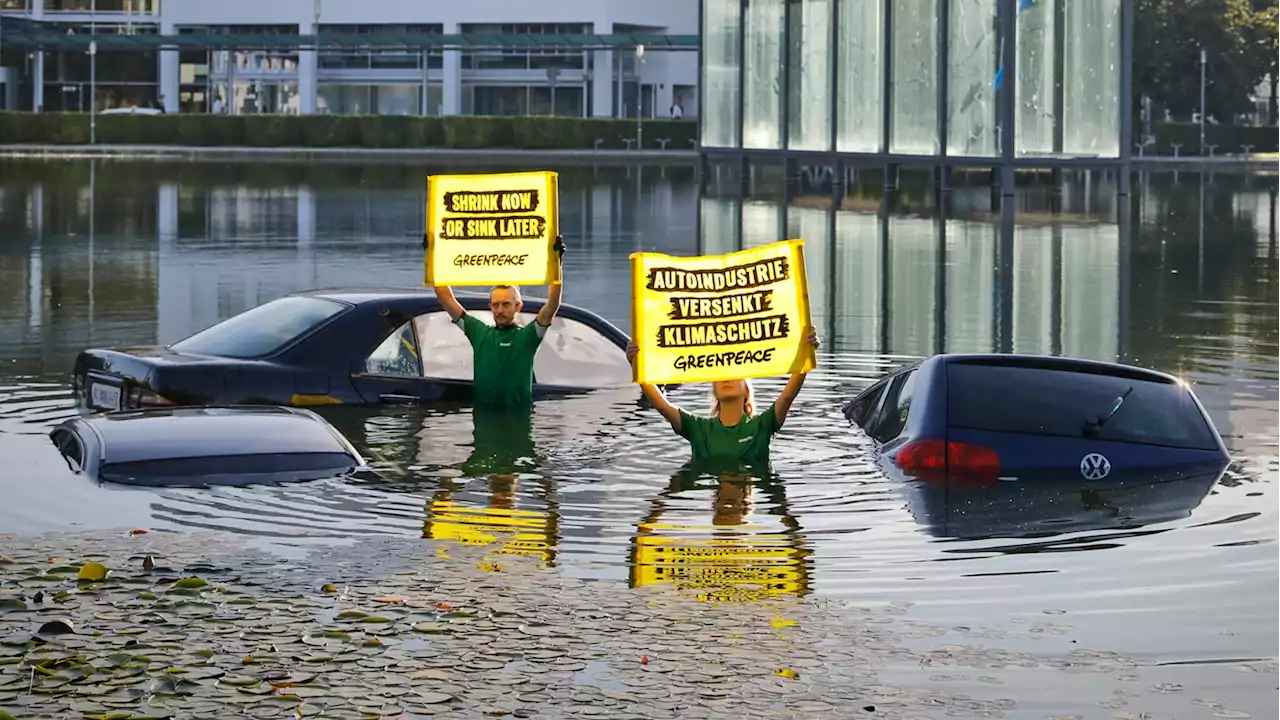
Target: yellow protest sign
{"points": [[716, 317], [492, 229]]}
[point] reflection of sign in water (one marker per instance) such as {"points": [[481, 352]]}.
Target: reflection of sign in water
{"points": [[492, 229], [519, 532], [700, 319], [742, 569]]}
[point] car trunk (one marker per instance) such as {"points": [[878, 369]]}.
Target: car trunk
{"points": [[1027, 456], [116, 379]]}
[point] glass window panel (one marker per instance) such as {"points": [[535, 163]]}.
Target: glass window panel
{"points": [[971, 264], [1090, 292], [859, 104], [915, 77], [809, 65], [1035, 86], [721, 63], [397, 355], [762, 105], [719, 226], [1091, 82], [573, 354], [913, 259], [858, 281], [813, 226], [1033, 290], [972, 64], [761, 223]]}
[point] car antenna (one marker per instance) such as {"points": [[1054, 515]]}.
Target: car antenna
{"points": [[1091, 427]]}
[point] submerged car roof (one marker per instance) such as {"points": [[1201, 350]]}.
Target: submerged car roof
{"points": [[362, 295], [187, 432], [1054, 362]]}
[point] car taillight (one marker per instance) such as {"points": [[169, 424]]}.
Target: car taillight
{"points": [[142, 397], [959, 464]]}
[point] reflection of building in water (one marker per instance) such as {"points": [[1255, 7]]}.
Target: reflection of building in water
{"points": [[499, 524], [722, 553], [303, 237], [917, 286]]}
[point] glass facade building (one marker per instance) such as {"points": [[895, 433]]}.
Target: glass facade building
{"points": [[917, 78]]}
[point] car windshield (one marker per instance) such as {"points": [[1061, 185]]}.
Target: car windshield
{"points": [[1042, 401], [263, 329]]}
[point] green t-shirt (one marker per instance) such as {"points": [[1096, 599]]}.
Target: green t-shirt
{"points": [[503, 360], [748, 441]]}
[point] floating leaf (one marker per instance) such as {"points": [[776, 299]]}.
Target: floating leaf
{"points": [[137, 531], [190, 583], [787, 673], [352, 614], [780, 622], [390, 599], [328, 587], [12, 604], [91, 571]]}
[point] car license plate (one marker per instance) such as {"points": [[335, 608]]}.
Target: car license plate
{"points": [[106, 397]]}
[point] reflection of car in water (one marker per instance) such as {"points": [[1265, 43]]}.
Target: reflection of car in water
{"points": [[982, 420], [343, 347], [206, 446], [1051, 506]]}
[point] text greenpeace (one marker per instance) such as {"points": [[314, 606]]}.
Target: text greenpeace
{"points": [[492, 229], [740, 315]]}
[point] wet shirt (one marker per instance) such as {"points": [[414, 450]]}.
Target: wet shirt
{"points": [[503, 360], [748, 441]]}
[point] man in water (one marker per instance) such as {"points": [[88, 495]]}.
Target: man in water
{"points": [[503, 353]]}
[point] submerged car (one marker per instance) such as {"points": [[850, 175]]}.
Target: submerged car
{"points": [[201, 446], [343, 347], [975, 420]]}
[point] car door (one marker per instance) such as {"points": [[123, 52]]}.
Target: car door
{"points": [[393, 372]]}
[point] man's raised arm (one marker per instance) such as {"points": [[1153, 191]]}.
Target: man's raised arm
{"points": [[554, 293], [449, 302]]}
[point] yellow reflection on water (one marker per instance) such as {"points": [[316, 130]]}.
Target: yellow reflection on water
{"points": [[732, 555], [510, 530]]}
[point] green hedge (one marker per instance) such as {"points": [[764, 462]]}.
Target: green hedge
{"points": [[358, 131], [1229, 139]]}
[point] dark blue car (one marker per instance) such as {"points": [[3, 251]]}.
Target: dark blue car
{"points": [[977, 420]]}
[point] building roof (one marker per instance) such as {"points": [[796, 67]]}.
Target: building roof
{"points": [[16, 32]]}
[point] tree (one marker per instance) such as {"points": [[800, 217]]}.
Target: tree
{"points": [[1239, 41]]}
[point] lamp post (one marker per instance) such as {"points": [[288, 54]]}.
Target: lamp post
{"points": [[639, 104], [1203, 62], [93, 72]]}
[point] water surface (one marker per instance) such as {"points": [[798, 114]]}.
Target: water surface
{"points": [[1182, 280]]}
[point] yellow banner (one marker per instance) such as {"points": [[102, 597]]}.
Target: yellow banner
{"points": [[716, 317], [492, 229]]}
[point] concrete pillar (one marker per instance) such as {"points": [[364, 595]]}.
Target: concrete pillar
{"points": [[602, 75], [451, 101], [37, 83], [35, 274], [306, 73], [168, 73], [306, 216]]}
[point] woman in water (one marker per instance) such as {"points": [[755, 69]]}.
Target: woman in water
{"points": [[733, 430]]}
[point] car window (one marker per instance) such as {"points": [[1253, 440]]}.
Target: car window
{"points": [[263, 329], [861, 411], [1042, 401], [397, 355], [69, 445], [897, 404], [572, 354]]}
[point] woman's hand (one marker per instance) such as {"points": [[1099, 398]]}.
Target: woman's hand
{"points": [[632, 350], [812, 338]]}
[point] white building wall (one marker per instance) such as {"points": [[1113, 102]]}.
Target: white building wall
{"points": [[662, 72]]}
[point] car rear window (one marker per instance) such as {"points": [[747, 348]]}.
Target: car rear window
{"points": [[178, 469], [1041, 401], [263, 329]]}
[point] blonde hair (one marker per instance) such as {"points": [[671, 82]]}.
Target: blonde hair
{"points": [[748, 400]]}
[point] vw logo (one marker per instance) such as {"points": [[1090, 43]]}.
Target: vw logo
{"points": [[1094, 467]]}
